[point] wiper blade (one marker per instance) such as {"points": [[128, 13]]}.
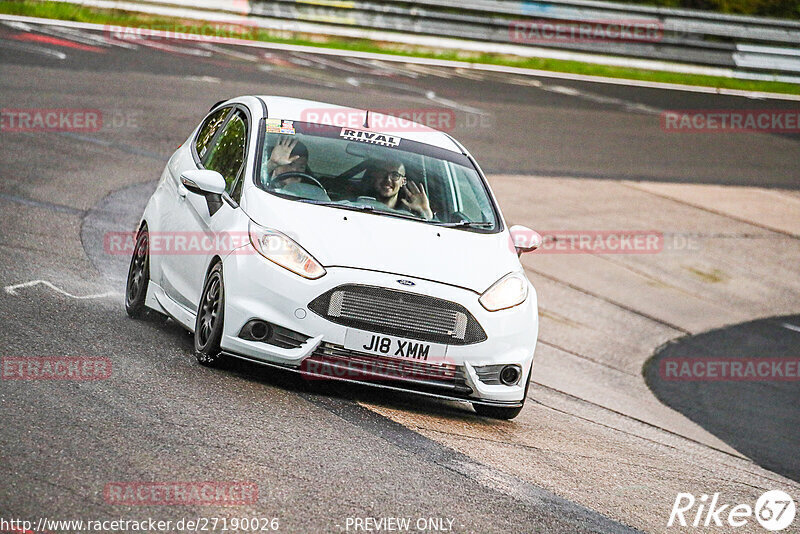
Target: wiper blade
{"points": [[469, 224], [332, 204], [387, 212], [361, 207], [351, 207]]}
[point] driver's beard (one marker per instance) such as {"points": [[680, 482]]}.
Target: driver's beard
{"points": [[390, 200]]}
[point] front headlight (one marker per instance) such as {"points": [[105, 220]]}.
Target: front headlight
{"points": [[281, 250], [509, 291]]}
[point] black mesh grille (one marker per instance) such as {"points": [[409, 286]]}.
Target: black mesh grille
{"points": [[489, 374], [285, 338], [336, 361], [278, 335], [399, 313]]}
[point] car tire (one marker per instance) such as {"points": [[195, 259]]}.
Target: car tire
{"points": [[500, 412], [138, 276], [210, 320]]}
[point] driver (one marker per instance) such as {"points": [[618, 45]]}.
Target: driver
{"points": [[386, 180], [289, 155]]}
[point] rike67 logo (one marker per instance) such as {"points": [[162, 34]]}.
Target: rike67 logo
{"points": [[774, 510]]}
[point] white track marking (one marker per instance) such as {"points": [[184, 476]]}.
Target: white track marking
{"points": [[75, 35], [343, 64], [68, 33], [471, 74], [380, 66], [430, 95], [791, 327], [91, 38], [32, 49], [12, 290], [312, 61], [428, 61], [72, 34], [204, 79], [601, 99], [175, 49], [303, 62], [228, 52], [298, 78], [430, 70], [21, 26]]}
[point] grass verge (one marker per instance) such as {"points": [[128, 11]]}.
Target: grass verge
{"points": [[79, 13]]}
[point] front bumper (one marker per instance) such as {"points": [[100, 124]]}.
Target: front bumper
{"points": [[258, 289]]}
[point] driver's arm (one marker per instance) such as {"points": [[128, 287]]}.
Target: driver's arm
{"points": [[281, 154]]}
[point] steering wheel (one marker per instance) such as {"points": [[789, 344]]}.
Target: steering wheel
{"points": [[296, 174]]}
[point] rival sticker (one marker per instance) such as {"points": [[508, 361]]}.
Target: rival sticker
{"points": [[370, 137]]}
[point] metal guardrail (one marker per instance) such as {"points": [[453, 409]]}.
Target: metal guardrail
{"points": [[686, 40], [747, 43]]}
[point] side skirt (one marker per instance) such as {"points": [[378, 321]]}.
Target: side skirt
{"points": [[158, 300]]}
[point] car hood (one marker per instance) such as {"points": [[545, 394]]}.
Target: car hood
{"points": [[345, 238]]}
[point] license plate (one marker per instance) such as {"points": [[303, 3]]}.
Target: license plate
{"points": [[394, 347]]}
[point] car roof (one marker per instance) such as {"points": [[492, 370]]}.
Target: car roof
{"points": [[296, 109]]}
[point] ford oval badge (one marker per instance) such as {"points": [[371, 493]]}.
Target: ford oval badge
{"points": [[406, 283]]}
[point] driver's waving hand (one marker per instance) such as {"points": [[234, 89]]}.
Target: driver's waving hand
{"points": [[289, 155]]}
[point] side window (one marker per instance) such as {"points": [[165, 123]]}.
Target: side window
{"points": [[208, 129], [226, 154]]}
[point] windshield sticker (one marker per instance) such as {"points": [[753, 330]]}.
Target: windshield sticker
{"points": [[370, 137], [279, 126], [273, 125], [287, 127]]}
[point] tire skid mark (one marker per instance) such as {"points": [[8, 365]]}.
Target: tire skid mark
{"points": [[42, 204]]}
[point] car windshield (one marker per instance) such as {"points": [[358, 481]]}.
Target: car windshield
{"points": [[382, 174]]}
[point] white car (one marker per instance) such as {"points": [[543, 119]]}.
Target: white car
{"points": [[339, 251]]}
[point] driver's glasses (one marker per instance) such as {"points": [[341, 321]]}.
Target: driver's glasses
{"points": [[396, 177]]}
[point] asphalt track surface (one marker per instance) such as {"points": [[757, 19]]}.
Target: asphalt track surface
{"points": [[317, 454], [740, 413]]}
